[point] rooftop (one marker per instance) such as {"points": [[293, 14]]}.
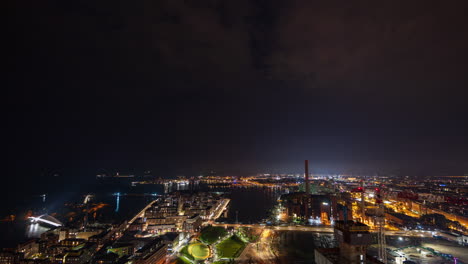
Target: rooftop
{"points": [[351, 225]]}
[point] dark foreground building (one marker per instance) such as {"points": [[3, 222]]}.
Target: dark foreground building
{"points": [[353, 239]]}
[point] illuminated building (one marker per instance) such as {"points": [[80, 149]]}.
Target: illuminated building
{"points": [[301, 205], [152, 253], [193, 223], [9, 257]]}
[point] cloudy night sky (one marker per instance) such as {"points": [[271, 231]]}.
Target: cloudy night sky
{"points": [[245, 86]]}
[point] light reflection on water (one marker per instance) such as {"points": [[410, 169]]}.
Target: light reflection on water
{"points": [[251, 204], [117, 203], [34, 230]]}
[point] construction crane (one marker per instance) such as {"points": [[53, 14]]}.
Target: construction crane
{"points": [[379, 216], [380, 223], [361, 190]]}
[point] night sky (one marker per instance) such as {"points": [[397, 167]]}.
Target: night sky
{"points": [[239, 87]]}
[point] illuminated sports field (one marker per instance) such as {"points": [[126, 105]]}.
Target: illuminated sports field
{"points": [[199, 251]]}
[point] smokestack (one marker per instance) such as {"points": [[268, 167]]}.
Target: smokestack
{"points": [[307, 184]]}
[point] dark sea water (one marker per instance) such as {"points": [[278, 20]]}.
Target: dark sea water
{"points": [[117, 207], [251, 205]]}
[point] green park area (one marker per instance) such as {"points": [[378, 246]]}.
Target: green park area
{"points": [[230, 248], [211, 234]]}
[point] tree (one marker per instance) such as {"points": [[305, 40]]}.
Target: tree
{"points": [[437, 220]]}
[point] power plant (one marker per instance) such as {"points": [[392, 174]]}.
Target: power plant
{"points": [[335, 208], [310, 207]]}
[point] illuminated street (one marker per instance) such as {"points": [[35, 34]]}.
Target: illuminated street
{"points": [[260, 251]]}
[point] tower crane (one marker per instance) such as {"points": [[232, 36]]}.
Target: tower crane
{"points": [[380, 222]]}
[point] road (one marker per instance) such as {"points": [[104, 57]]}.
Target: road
{"points": [[220, 209], [259, 252], [142, 212], [318, 229], [324, 229]]}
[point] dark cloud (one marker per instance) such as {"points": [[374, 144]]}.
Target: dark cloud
{"points": [[238, 85], [397, 40]]}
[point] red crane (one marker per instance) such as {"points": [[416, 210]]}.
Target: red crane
{"points": [[377, 196]]}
